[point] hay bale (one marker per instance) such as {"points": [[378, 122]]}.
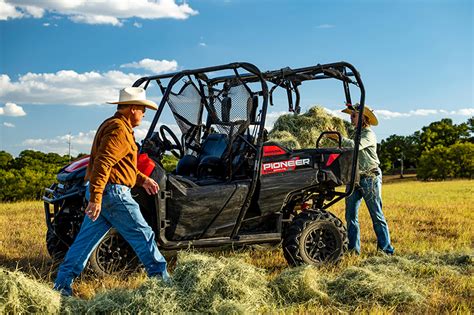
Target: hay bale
{"points": [[153, 296], [362, 286], [299, 285], [306, 128], [203, 282], [20, 294], [285, 138]]}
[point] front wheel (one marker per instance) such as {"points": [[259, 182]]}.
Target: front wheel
{"points": [[315, 237], [113, 256]]}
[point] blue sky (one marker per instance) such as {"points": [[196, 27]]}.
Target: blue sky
{"points": [[61, 60]]}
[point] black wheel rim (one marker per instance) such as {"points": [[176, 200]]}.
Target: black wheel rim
{"points": [[114, 255], [321, 243]]}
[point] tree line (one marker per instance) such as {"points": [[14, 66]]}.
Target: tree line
{"points": [[440, 150], [26, 176]]}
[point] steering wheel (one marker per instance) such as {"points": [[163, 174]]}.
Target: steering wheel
{"points": [[175, 148]]}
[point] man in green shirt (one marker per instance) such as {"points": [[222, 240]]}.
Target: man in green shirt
{"points": [[370, 184]]}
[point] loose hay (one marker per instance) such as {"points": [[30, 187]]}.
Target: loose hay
{"points": [[154, 296], [222, 285], [426, 266], [20, 294], [299, 285], [362, 286], [204, 281]]}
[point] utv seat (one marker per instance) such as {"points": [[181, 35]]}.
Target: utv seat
{"points": [[209, 161]]}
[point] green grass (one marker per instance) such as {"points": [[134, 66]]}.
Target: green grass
{"points": [[431, 227]]}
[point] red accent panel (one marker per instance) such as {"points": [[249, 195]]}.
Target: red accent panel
{"points": [[145, 164], [272, 150], [77, 164], [332, 158]]}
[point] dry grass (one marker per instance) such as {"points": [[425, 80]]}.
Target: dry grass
{"points": [[431, 226]]}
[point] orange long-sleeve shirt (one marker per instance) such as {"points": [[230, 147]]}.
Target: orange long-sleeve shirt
{"points": [[113, 157]]}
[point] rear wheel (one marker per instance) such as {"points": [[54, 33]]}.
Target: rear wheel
{"points": [[64, 228], [315, 237], [57, 248], [113, 255]]}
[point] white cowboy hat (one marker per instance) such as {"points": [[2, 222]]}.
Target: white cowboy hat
{"points": [[135, 96], [369, 113]]}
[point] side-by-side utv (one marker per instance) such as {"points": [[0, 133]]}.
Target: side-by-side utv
{"points": [[230, 186]]}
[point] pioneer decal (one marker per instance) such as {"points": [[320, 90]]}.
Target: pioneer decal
{"points": [[283, 166]]}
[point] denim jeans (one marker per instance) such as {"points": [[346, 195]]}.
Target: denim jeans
{"points": [[121, 211], [370, 188]]}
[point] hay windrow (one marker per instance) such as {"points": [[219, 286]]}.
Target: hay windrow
{"points": [[153, 296], [362, 286], [426, 266], [20, 294], [203, 281], [299, 285]]}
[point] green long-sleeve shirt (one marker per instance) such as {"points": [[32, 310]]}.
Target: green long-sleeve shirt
{"points": [[368, 159]]}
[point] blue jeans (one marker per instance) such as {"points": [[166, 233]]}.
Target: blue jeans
{"points": [[121, 211], [370, 188]]}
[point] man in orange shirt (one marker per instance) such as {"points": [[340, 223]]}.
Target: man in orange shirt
{"points": [[111, 172]]}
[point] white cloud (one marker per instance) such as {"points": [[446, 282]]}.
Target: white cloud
{"points": [[465, 112], [423, 112], [11, 109], [34, 11], [9, 125], [8, 11], [386, 114], [46, 24], [337, 113], [156, 66], [96, 12], [137, 25], [65, 87], [96, 19], [202, 44], [272, 118], [326, 26], [80, 143]]}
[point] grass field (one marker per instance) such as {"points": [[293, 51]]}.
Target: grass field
{"points": [[432, 231]]}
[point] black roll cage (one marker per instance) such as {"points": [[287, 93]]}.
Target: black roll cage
{"points": [[286, 78]]}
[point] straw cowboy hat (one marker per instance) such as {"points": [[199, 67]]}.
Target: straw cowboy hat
{"points": [[369, 113], [135, 96]]}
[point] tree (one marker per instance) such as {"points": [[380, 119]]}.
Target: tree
{"points": [[462, 154], [5, 160], [435, 164], [470, 124], [395, 148], [443, 133], [453, 162]]}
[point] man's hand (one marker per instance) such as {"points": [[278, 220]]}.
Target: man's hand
{"points": [[93, 210], [151, 186]]}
